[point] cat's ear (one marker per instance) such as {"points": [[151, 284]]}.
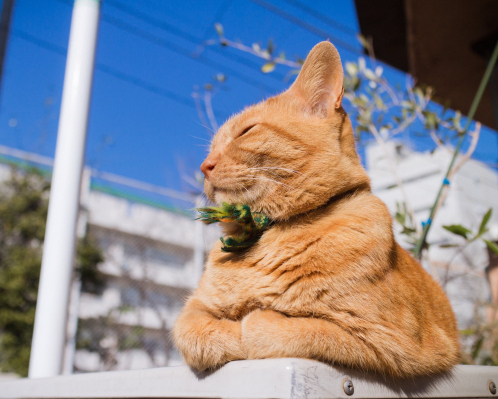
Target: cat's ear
{"points": [[319, 83]]}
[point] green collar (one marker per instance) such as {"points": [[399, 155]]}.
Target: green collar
{"points": [[253, 224]]}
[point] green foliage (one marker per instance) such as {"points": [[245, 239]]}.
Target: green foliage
{"points": [[492, 246], [23, 212], [483, 345], [458, 230], [482, 337], [471, 236], [268, 67], [404, 218], [484, 222], [88, 256], [103, 335], [219, 29], [107, 337]]}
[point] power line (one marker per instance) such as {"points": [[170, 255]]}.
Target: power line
{"points": [[151, 20], [189, 102], [329, 21], [222, 9], [158, 23], [185, 53], [39, 42], [173, 47], [304, 25], [184, 35]]}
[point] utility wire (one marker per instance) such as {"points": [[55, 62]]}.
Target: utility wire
{"points": [[151, 20], [187, 101], [222, 9], [304, 25], [270, 7], [158, 23], [242, 60], [294, 20], [178, 49], [314, 13], [183, 52]]}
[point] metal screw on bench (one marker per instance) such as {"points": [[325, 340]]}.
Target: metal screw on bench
{"points": [[492, 387], [349, 388]]}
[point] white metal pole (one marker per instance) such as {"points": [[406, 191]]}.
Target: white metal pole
{"points": [[60, 237], [75, 292]]}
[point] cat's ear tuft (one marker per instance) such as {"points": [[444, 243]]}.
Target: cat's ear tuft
{"points": [[319, 84]]}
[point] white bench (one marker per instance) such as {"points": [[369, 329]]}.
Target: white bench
{"points": [[270, 378]]}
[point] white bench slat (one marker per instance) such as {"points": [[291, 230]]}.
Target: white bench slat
{"points": [[268, 378]]}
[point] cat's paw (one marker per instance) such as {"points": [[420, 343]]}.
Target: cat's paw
{"points": [[260, 330], [207, 357], [211, 345]]}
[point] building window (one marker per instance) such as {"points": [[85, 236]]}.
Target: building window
{"points": [[142, 254], [149, 297]]}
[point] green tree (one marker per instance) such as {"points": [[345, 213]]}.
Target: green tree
{"points": [[23, 213]]}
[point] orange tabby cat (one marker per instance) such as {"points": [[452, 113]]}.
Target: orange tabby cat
{"points": [[327, 281]]}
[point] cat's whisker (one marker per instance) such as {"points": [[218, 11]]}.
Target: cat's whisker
{"points": [[276, 167], [200, 138], [204, 126], [203, 199], [272, 180], [244, 187], [273, 173]]}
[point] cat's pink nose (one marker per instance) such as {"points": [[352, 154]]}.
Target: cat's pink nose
{"points": [[208, 166]]}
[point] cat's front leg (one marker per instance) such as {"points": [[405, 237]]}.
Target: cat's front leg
{"points": [[265, 334], [270, 334], [205, 341]]}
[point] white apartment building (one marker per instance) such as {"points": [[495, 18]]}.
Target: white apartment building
{"points": [[153, 259], [473, 191]]}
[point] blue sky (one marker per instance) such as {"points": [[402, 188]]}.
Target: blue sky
{"points": [[143, 124]]}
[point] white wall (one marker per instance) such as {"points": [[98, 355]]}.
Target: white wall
{"points": [[472, 192]]}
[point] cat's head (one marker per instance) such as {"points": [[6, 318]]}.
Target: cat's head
{"points": [[291, 153]]}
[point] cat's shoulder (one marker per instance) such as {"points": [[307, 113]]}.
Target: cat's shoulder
{"points": [[363, 205], [360, 215]]}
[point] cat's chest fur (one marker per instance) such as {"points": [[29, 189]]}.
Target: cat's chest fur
{"points": [[303, 267], [264, 279], [288, 270]]}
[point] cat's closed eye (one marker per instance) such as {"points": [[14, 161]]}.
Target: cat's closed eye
{"points": [[246, 130]]}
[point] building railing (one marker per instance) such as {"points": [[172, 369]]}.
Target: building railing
{"points": [[269, 378]]}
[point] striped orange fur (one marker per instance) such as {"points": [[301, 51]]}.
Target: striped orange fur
{"points": [[327, 281]]}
